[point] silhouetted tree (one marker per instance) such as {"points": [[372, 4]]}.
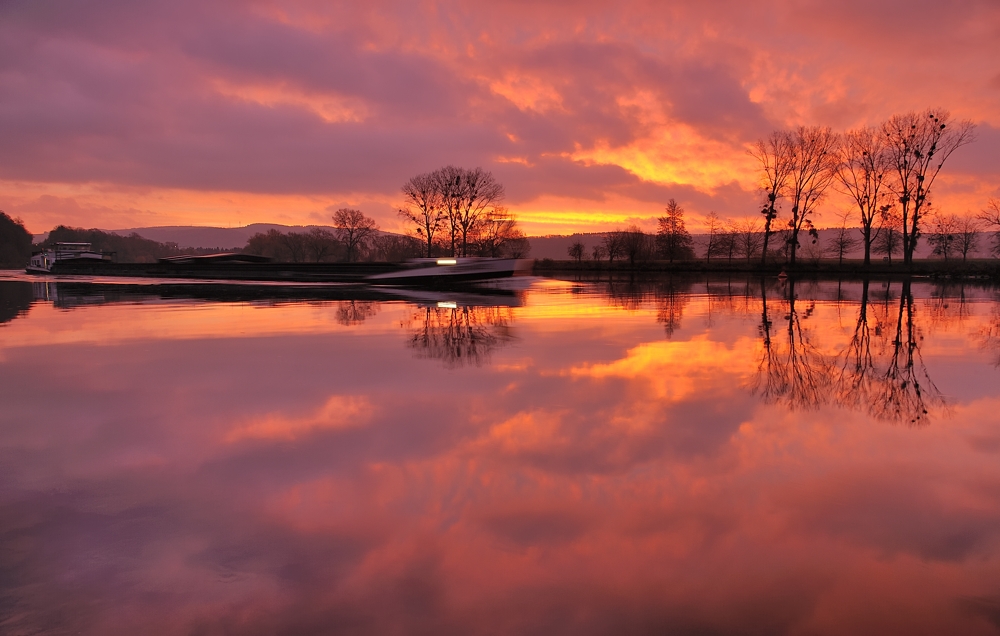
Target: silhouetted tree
{"points": [[479, 192], [576, 250], [321, 245], [636, 245], [714, 227], [990, 216], [497, 235], [918, 144], [672, 238], [749, 238], [613, 244], [943, 234], [890, 235], [354, 230], [843, 241], [864, 172], [393, 248], [775, 156], [967, 235], [424, 207], [814, 163], [15, 242]]}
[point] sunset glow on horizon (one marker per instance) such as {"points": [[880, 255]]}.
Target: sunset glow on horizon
{"points": [[593, 115]]}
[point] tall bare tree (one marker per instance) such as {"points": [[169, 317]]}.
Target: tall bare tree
{"points": [[918, 145], [775, 156], [864, 171], [424, 207], [354, 230], [479, 191], [448, 181], [814, 165]]}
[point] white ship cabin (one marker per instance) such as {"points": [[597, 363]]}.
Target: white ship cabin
{"points": [[44, 260]]}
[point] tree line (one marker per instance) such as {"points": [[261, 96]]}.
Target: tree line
{"points": [[886, 171], [355, 237], [15, 242]]}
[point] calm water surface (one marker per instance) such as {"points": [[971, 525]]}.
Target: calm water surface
{"points": [[663, 456]]}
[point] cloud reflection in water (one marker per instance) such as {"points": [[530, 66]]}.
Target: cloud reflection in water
{"points": [[568, 470]]}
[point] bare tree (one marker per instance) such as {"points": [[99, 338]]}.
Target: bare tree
{"points": [[727, 243], [672, 237], [889, 240], [714, 226], [843, 241], [321, 244], [497, 235], [967, 235], [448, 181], [424, 207], [613, 245], [775, 156], [354, 230], [636, 245], [479, 191], [813, 168], [943, 237], [864, 170], [394, 248], [576, 251], [598, 252], [749, 238], [918, 145], [991, 217]]}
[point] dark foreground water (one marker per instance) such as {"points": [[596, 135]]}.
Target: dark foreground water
{"points": [[662, 457]]}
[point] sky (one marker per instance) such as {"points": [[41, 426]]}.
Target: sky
{"points": [[121, 114]]}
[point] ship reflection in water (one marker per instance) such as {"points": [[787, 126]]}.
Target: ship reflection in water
{"points": [[682, 456]]}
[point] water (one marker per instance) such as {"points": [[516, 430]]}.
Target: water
{"points": [[656, 456]]}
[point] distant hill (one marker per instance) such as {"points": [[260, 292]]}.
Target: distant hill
{"points": [[225, 238]]}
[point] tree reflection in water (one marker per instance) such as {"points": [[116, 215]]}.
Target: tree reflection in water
{"points": [[671, 299], [671, 296], [880, 370], [791, 370], [355, 312], [459, 336], [899, 396]]}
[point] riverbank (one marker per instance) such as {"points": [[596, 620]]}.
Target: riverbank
{"points": [[933, 268]]}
